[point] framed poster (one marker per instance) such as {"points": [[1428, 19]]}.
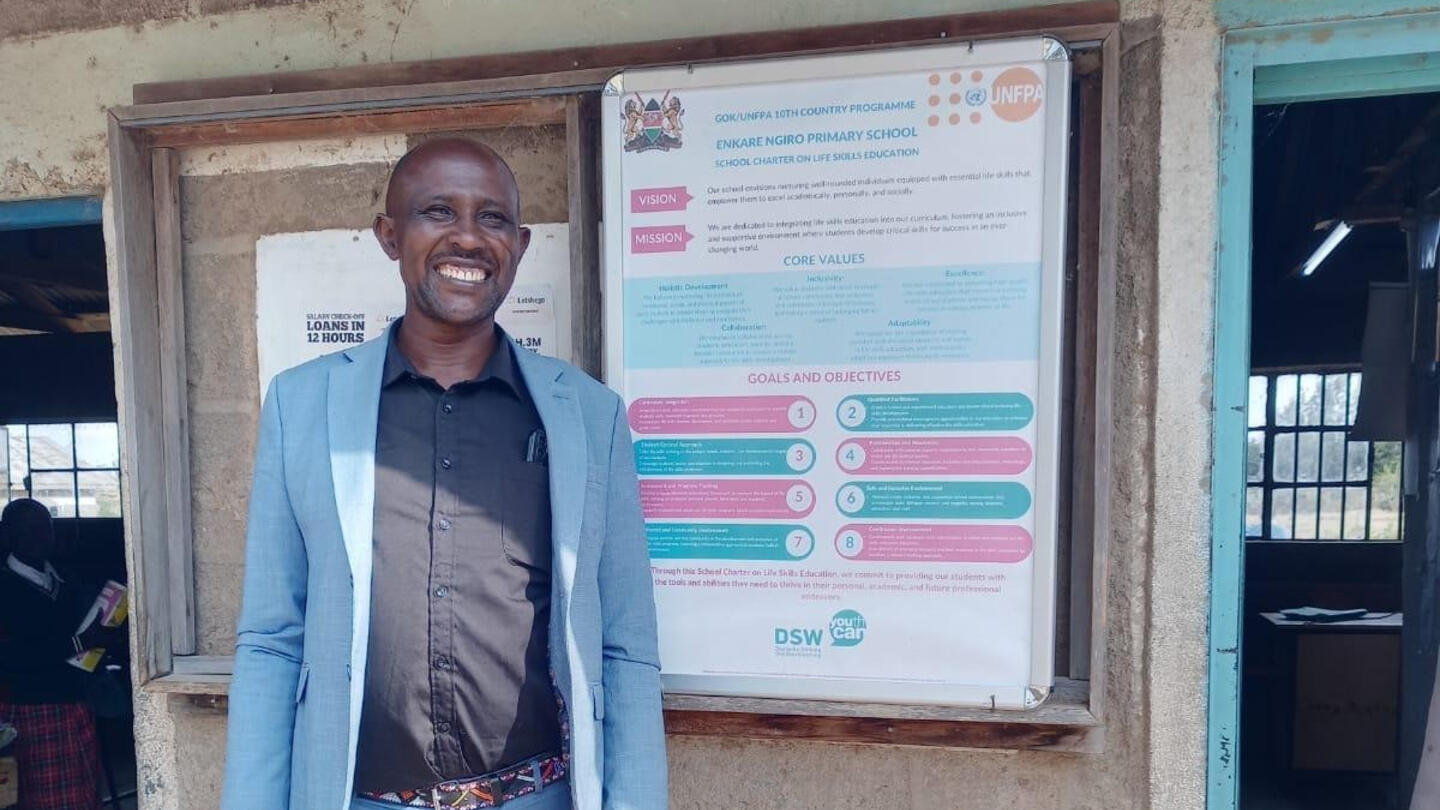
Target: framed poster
{"points": [[834, 300]]}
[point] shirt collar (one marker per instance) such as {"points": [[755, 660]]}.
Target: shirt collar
{"points": [[501, 365], [47, 581]]}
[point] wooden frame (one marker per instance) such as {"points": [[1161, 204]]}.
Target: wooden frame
{"points": [[551, 88]]}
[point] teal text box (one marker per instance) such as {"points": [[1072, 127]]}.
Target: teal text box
{"points": [[917, 413], [723, 456], [729, 541], [954, 500]]}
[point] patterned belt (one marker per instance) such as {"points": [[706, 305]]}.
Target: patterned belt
{"points": [[491, 790]]}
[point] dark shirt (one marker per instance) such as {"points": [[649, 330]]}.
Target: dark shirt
{"points": [[36, 629], [458, 682]]}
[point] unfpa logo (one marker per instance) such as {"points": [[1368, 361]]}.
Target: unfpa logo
{"points": [[847, 628], [1017, 94]]}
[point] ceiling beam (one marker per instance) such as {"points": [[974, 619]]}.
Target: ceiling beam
{"points": [[12, 317], [1406, 151], [35, 302], [90, 278]]}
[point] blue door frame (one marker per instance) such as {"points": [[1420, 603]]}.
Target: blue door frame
{"points": [[52, 213], [1264, 65]]}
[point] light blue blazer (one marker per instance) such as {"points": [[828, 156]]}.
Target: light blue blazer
{"points": [[305, 624]]}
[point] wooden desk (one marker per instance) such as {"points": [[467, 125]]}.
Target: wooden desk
{"points": [[1344, 684], [1371, 623]]}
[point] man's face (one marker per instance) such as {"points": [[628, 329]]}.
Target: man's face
{"points": [[453, 223]]}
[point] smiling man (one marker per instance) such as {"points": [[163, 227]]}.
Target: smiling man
{"points": [[447, 596]]}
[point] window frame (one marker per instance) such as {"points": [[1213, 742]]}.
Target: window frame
{"points": [[556, 87], [1268, 485], [74, 469]]}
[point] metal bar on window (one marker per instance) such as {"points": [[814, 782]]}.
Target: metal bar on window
{"points": [[74, 473], [1267, 477], [1369, 485], [1345, 462]]}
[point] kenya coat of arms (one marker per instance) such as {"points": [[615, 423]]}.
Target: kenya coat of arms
{"points": [[653, 124]]}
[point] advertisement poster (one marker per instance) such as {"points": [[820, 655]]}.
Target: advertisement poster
{"points": [[833, 305], [320, 291]]}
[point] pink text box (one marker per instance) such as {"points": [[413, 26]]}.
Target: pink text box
{"points": [[933, 542], [699, 415], [726, 499], [650, 200], [919, 455], [659, 239]]}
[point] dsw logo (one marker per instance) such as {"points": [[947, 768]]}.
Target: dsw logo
{"points": [[798, 637]]}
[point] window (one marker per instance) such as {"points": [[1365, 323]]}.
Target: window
{"points": [[73, 468], [1306, 474]]}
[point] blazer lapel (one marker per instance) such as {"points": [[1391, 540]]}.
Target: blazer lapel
{"points": [[354, 411], [353, 414], [559, 411]]}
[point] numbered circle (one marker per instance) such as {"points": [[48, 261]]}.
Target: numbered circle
{"points": [[851, 456], [851, 413], [800, 456], [849, 544], [801, 414], [850, 499], [800, 498], [799, 544]]}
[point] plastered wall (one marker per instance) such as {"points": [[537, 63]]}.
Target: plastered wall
{"points": [[92, 52]]}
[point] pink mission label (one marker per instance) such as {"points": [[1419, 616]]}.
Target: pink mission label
{"points": [[933, 542], [699, 415], [659, 239], [726, 499], [920, 455]]}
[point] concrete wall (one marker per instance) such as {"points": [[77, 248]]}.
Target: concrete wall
{"points": [[55, 82]]}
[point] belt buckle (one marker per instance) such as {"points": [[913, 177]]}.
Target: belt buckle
{"points": [[497, 791], [456, 796]]}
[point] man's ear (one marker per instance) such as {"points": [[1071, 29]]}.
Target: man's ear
{"points": [[524, 240], [384, 228]]}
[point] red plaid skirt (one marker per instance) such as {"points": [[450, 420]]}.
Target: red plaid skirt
{"points": [[58, 755]]}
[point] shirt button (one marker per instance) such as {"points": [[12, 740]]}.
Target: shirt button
{"points": [[444, 524], [442, 727], [442, 592], [445, 462], [442, 663], [447, 407]]}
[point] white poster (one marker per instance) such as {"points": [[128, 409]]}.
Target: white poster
{"points": [[833, 299], [320, 291]]}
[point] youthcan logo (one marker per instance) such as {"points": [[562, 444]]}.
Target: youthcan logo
{"points": [[847, 628]]}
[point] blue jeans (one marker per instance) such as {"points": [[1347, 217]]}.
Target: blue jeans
{"points": [[555, 796]]}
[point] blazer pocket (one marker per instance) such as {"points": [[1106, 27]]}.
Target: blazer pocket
{"points": [[597, 696], [304, 679], [596, 476]]}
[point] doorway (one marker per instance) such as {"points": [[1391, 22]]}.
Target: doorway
{"points": [[1360, 60], [60, 468], [1337, 186]]}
